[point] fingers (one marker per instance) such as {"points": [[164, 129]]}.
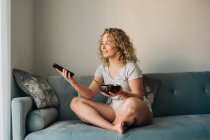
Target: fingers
{"points": [[110, 94], [64, 73], [59, 71], [105, 94]]}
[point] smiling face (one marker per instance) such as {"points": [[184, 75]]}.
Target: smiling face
{"points": [[115, 44], [107, 46]]}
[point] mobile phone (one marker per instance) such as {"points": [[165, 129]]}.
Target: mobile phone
{"points": [[60, 68]]}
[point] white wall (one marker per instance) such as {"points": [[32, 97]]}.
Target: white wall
{"points": [[5, 67], [168, 35]]}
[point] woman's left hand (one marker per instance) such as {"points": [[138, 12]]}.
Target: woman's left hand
{"points": [[111, 94]]}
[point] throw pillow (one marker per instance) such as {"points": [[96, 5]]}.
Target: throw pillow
{"points": [[37, 87], [40, 118], [151, 86]]}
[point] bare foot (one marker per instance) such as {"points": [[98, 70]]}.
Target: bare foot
{"points": [[119, 127]]}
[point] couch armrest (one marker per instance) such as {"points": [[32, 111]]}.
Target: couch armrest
{"points": [[20, 108]]}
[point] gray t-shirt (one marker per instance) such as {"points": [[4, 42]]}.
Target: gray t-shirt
{"points": [[130, 71]]}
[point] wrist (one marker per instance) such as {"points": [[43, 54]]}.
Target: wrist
{"points": [[123, 94], [73, 82]]}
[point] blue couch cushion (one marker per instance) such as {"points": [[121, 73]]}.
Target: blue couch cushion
{"points": [[182, 93], [72, 130], [66, 93], [40, 118], [184, 127]]}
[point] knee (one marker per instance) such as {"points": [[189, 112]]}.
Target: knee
{"points": [[131, 105], [132, 102], [75, 103], [135, 111], [138, 109]]}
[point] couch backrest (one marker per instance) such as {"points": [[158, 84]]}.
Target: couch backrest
{"points": [[182, 93], [178, 94], [66, 93]]}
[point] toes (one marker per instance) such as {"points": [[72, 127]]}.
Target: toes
{"points": [[122, 127], [125, 127]]}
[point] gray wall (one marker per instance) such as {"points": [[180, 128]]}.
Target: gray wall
{"points": [[169, 35], [22, 37], [22, 40]]}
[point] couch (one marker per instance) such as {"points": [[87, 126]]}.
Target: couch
{"points": [[181, 110]]}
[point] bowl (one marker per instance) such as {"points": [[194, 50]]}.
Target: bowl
{"points": [[110, 88]]}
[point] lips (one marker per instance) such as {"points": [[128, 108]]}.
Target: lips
{"points": [[104, 52]]}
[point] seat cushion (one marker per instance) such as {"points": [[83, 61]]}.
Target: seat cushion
{"points": [[72, 130], [184, 127]]}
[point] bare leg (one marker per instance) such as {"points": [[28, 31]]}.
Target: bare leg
{"points": [[98, 114], [133, 111]]}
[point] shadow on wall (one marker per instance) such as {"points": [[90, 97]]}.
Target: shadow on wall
{"points": [[16, 91]]}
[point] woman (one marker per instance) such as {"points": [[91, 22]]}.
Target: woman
{"points": [[124, 108]]}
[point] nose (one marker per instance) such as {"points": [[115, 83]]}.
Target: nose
{"points": [[103, 46]]}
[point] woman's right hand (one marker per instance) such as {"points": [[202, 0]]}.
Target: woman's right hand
{"points": [[66, 76]]}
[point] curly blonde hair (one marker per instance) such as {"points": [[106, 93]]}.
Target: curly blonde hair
{"points": [[124, 47]]}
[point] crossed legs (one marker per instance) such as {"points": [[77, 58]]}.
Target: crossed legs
{"points": [[131, 111]]}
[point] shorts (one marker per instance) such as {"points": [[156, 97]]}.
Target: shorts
{"points": [[115, 104]]}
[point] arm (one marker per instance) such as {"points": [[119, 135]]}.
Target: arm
{"points": [[136, 87], [89, 92]]}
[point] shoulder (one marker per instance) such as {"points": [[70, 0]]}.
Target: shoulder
{"points": [[132, 71], [101, 68], [131, 66]]}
